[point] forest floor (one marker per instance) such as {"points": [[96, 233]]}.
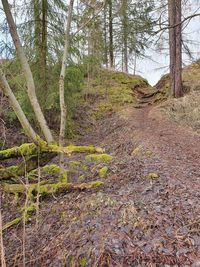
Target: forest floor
{"points": [[146, 214]]}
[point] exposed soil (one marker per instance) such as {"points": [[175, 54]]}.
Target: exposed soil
{"points": [[146, 214]]}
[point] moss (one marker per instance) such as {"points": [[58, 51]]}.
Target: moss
{"points": [[62, 215], [153, 175], [99, 157], [51, 169], [114, 90], [8, 172], [8, 152], [103, 172], [28, 149], [75, 164], [96, 183], [81, 177], [73, 148], [12, 223], [72, 261], [64, 177], [16, 198], [136, 151], [45, 189], [83, 262], [149, 153]]}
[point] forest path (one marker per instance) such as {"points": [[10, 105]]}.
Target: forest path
{"points": [[158, 174]]}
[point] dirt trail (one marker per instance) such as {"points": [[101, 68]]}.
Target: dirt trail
{"points": [[148, 212]]}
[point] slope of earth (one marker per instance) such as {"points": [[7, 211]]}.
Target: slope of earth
{"points": [[147, 213], [185, 110]]}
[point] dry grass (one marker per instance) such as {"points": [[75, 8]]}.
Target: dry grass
{"points": [[185, 110]]}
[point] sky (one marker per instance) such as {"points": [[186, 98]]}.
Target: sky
{"points": [[156, 63]]}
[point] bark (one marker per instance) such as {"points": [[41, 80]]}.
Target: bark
{"points": [[63, 106], [28, 74], [175, 46], [172, 44], [125, 34], [17, 108], [37, 29], [105, 37], [44, 47], [111, 53], [178, 68]]}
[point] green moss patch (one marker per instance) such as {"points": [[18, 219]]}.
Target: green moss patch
{"points": [[99, 157], [103, 172]]}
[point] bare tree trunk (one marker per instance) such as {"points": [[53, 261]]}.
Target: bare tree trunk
{"points": [[37, 30], [172, 44], [111, 53], [178, 68], [28, 74], [63, 106], [125, 34], [17, 108], [44, 47], [175, 46], [105, 37]]}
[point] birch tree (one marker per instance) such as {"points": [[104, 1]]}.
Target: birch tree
{"points": [[27, 73], [63, 107]]}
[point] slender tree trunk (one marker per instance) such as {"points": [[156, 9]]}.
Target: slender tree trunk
{"points": [[111, 52], [37, 29], [172, 43], [28, 74], [17, 108], [44, 47], [178, 68], [105, 37], [63, 107], [175, 46], [125, 34]]}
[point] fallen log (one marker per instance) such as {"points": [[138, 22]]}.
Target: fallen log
{"points": [[34, 156], [44, 189], [26, 166], [30, 149]]}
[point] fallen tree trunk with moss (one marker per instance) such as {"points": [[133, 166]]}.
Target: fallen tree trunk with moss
{"points": [[34, 156], [44, 189], [30, 149], [25, 166]]}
